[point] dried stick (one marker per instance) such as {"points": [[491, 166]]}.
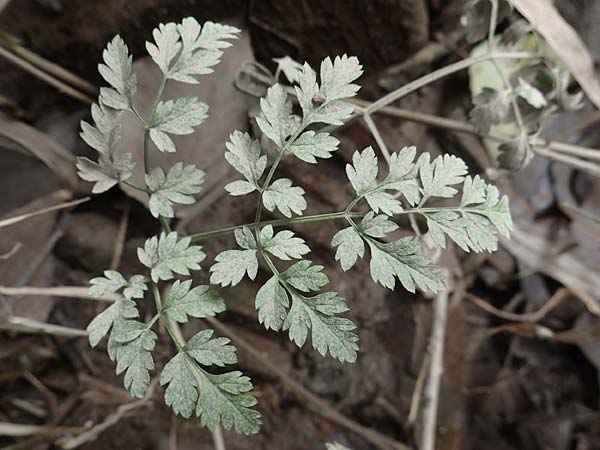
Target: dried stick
{"points": [[432, 388]]}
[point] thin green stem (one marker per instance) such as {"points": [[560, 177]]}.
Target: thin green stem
{"points": [[134, 186], [159, 309], [199, 237]]}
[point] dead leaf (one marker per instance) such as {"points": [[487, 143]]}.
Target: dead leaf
{"points": [[18, 136], [565, 41]]}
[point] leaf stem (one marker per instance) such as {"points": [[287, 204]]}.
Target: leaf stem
{"points": [[159, 309], [135, 186], [199, 237]]}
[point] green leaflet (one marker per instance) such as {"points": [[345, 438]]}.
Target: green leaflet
{"points": [[113, 281], [350, 247], [400, 179], [438, 177], [291, 69], [181, 373], [135, 343], [310, 145], [199, 302], [285, 197], [105, 133], [244, 156], [103, 322], [165, 47], [272, 303], [328, 333], [167, 254], [107, 172], [400, 260], [305, 277], [118, 72], [175, 187], [224, 399], [209, 351], [232, 265], [176, 117], [323, 103], [201, 48], [476, 223], [181, 393], [278, 123], [284, 245]]}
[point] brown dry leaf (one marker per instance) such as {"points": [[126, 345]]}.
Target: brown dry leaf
{"points": [[18, 136], [565, 41]]}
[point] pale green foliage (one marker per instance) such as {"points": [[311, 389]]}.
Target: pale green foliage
{"points": [[174, 187], [200, 301], [286, 198], [324, 103], [283, 245], [103, 322], [176, 117], [167, 254], [329, 333], [305, 277], [473, 225], [244, 156], [290, 68], [117, 71], [224, 399], [310, 145], [134, 345], [231, 265], [107, 172], [290, 300], [278, 123], [272, 303], [113, 281], [210, 351]]}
